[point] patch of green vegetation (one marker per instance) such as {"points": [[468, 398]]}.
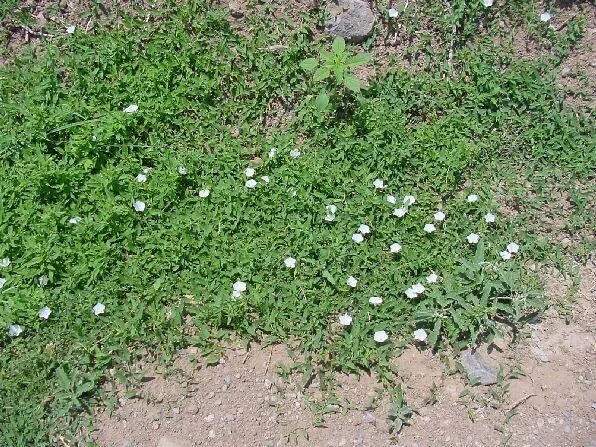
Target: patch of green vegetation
{"points": [[165, 271]]}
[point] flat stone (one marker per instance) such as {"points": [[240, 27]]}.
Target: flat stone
{"points": [[170, 442], [478, 368], [351, 19]]}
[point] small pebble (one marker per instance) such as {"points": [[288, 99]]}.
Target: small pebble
{"points": [[211, 434], [209, 418], [155, 425]]}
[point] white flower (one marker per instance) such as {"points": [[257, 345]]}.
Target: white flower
{"points": [[204, 193], [409, 200], [400, 212], [239, 286], [375, 300], [429, 228], [331, 209], [74, 220], [392, 13], [489, 217], [272, 152], [42, 281], [395, 248], [432, 278], [379, 184], [351, 281], [418, 288], [364, 229], [14, 330], [71, 29], [182, 170], [236, 294], [141, 178], [473, 238], [512, 247], [472, 198], [345, 320], [295, 153], [266, 179], [44, 313], [391, 199], [290, 262], [99, 309], [505, 255], [146, 170], [420, 335], [439, 216], [545, 17], [330, 217], [4, 262], [131, 108], [2, 282], [358, 238], [380, 336], [251, 183], [139, 206], [293, 193], [249, 172], [487, 3], [410, 293]]}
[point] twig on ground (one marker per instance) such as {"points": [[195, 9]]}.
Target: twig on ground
{"points": [[521, 401], [269, 360], [35, 33]]}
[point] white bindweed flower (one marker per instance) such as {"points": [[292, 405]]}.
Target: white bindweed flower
{"points": [[379, 184], [239, 286], [14, 330], [182, 170], [44, 313], [472, 198], [330, 217], [391, 199], [418, 288], [5, 262], [512, 248], [293, 193], [358, 238], [204, 193], [545, 16], [489, 218], [236, 294], [432, 278], [487, 3], [505, 255], [410, 293], [2, 282], [375, 300], [420, 335], [131, 108], [409, 200], [249, 172], [430, 228], [272, 152], [139, 206], [380, 336], [345, 320], [252, 183], [392, 12], [295, 153], [473, 238], [266, 178], [395, 248], [141, 178], [75, 220], [290, 262], [70, 29], [351, 281], [439, 216], [331, 209], [400, 212], [42, 281], [99, 309], [364, 229]]}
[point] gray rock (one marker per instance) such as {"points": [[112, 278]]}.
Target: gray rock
{"points": [[478, 368], [540, 354], [350, 19], [369, 418], [170, 442]]}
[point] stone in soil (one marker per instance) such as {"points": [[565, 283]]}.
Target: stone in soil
{"points": [[170, 442], [350, 19], [478, 368]]}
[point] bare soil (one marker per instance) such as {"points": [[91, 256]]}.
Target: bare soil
{"points": [[243, 402]]}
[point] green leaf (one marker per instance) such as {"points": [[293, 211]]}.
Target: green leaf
{"points": [[309, 64], [322, 101], [358, 59], [434, 334], [339, 45], [321, 74], [352, 83]]}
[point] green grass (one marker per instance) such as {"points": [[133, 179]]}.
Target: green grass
{"points": [[165, 275]]}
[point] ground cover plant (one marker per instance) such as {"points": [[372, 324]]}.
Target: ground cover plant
{"points": [[145, 206]]}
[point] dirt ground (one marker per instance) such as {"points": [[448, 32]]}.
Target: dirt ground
{"points": [[243, 402]]}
